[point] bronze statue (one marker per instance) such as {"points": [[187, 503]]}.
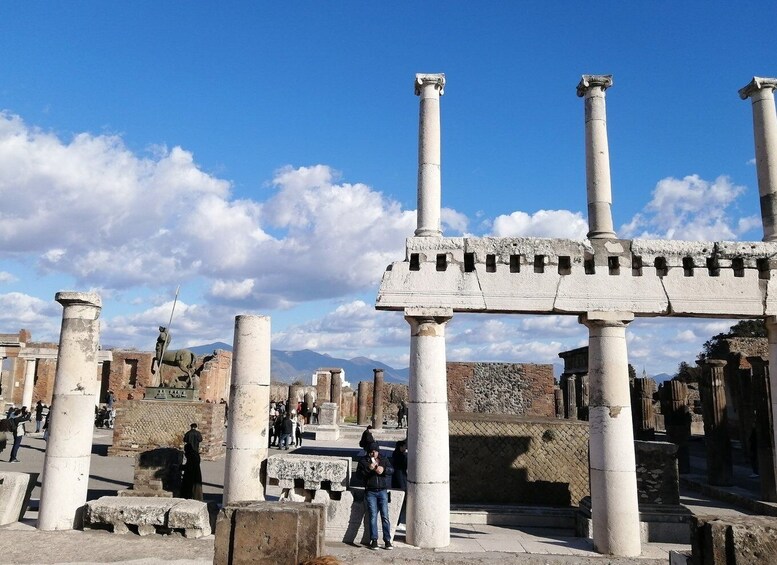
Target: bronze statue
{"points": [[183, 359]]}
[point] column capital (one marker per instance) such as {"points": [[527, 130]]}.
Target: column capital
{"points": [[713, 363], [421, 79], [606, 319], [587, 82], [438, 315], [755, 85], [67, 298]]}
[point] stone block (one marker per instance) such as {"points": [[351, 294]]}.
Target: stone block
{"points": [[327, 433], [313, 470], [291, 532], [658, 480], [148, 514], [347, 519], [13, 492], [744, 540], [159, 470]]}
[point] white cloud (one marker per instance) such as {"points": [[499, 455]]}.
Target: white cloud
{"points": [[6, 277], [691, 208], [543, 223]]}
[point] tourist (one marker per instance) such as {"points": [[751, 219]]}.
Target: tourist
{"points": [[191, 483], [367, 439], [111, 398], [6, 433], [38, 416], [401, 414], [314, 414], [399, 478], [47, 425], [20, 417], [377, 472], [299, 430], [287, 428], [271, 431], [278, 429]]}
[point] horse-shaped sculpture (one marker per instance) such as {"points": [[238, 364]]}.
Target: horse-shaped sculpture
{"points": [[183, 359]]}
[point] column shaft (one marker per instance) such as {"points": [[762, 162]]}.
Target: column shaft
{"points": [[337, 393], [29, 382], [377, 399], [614, 507], [761, 92], [69, 449], [361, 411], [597, 156], [249, 405], [428, 481], [429, 87], [720, 470]]}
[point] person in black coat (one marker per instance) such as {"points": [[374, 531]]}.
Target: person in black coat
{"points": [[191, 483], [377, 471], [399, 462], [367, 439]]}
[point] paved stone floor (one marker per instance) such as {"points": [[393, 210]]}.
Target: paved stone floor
{"points": [[22, 543]]}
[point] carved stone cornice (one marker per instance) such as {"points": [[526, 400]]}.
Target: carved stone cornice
{"points": [[591, 81], [758, 83], [438, 79]]}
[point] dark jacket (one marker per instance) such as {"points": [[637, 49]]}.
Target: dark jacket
{"points": [[399, 461], [367, 440], [373, 481], [288, 425]]}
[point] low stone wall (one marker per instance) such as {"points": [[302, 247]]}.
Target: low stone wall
{"points": [[658, 480], [142, 425], [503, 459], [742, 540]]}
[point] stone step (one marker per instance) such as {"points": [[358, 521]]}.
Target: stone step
{"points": [[544, 517]]}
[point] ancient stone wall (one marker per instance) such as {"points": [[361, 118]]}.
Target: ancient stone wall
{"points": [[393, 395], [658, 481], [504, 459], [129, 374], [521, 389], [215, 376], [142, 425]]}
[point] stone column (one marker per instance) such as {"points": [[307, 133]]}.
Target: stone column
{"points": [[570, 396], [296, 395], [429, 87], [614, 507], [69, 449], [644, 415], [771, 333], [558, 398], [377, 399], [677, 421], [763, 428], [29, 382], [99, 387], [428, 480], [323, 386], [361, 411], [249, 404], [597, 156], [337, 392], [582, 395], [720, 470], [761, 92]]}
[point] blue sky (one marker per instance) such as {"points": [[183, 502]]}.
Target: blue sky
{"points": [[264, 156]]}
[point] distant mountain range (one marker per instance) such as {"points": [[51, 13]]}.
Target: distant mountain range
{"points": [[288, 366]]}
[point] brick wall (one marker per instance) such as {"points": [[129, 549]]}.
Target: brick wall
{"points": [[522, 389], [129, 374], [504, 459], [215, 376], [142, 425]]}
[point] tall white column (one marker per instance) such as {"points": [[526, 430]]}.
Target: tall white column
{"points": [[29, 382], [761, 92], [429, 87], [428, 472], [614, 502], [597, 156], [249, 408], [69, 449]]}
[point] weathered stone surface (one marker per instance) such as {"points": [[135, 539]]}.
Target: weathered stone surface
{"points": [[159, 469], [744, 540], [290, 532], [13, 496], [149, 513], [658, 481], [313, 470], [347, 519]]}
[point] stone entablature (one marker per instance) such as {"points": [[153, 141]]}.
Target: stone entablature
{"points": [[537, 275]]}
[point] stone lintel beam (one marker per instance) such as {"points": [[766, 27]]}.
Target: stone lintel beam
{"points": [[756, 85], [587, 82]]}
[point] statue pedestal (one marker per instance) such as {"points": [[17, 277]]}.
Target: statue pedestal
{"points": [[168, 393], [142, 425]]}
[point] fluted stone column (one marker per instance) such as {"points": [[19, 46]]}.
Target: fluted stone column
{"points": [[558, 398], [570, 396], [643, 412], [677, 421], [429, 87], [720, 470], [249, 404], [361, 411], [583, 397], [597, 156], [337, 392], [69, 449], [29, 382], [428, 479], [763, 428], [761, 92], [377, 399], [614, 506]]}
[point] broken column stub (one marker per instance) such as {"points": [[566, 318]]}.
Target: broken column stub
{"points": [[597, 156], [69, 449], [249, 404], [429, 87], [614, 506], [428, 480], [761, 92]]}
